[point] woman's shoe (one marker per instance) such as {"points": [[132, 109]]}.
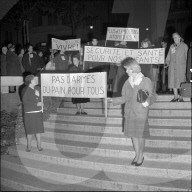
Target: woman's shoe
{"points": [[180, 100], [40, 149], [28, 149], [78, 113], [133, 162], [83, 113], [174, 100], [139, 164]]}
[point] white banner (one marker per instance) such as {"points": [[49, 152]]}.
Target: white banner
{"points": [[74, 85], [66, 45], [116, 55], [122, 34]]}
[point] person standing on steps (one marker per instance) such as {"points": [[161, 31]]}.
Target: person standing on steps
{"points": [[176, 61], [75, 67], [135, 112], [33, 116]]}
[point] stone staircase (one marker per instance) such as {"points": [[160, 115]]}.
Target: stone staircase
{"points": [[90, 153]]}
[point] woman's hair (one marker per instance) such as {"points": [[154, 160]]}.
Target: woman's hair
{"points": [[176, 33], [146, 40], [27, 46], [131, 63], [76, 56], [28, 79], [18, 49]]}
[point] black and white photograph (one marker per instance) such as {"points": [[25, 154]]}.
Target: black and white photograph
{"points": [[96, 95]]}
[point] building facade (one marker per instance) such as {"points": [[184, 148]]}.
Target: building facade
{"points": [[39, 28]]}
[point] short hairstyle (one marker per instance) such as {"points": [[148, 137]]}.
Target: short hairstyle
{"points": [[12, 46], [131, 63], [146, 40], [28, 79], [176, 33], [27, 46], [94, 37], [76, 56]]}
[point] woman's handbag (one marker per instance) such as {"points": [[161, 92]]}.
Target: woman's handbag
{"points": [[142, 96]]}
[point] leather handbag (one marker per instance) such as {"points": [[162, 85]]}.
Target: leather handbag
{"points": [[142, 96]]}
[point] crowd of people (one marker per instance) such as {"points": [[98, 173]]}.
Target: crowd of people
{"points": [[126, 80], [17, 61]]}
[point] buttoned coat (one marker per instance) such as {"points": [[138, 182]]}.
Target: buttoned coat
{"points": [[135, 114], [176, 61]]}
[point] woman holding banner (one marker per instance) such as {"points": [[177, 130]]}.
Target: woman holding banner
{"points": [[77, 68], [136, 107], [33, 116]]}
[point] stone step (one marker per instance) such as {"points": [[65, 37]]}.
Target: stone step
{"points": [[154, 131], [81, 149], [23, 181], [118, 112], [107, 164], [118, 120], [157, 105], [61, 171], [159, 98], [5, 188], [154, 141]]}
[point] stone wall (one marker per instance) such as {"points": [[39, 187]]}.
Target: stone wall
{"points": [[10, 102]]}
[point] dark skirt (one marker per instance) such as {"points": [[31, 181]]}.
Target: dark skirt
{"points": [[80, 100], [33, 123]]}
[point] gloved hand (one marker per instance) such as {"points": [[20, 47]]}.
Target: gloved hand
{"points": [[145, 104]]}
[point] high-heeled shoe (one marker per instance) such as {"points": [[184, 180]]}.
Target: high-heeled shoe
{"points": [[133, 162], [28, 149], [40, 149], [174, 100], [180, 100], [139, 164]]}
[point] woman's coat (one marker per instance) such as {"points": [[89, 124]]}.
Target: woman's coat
{"points": [[176, 61]]}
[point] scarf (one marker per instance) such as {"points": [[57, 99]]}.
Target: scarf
{"points": [[137, 79]]}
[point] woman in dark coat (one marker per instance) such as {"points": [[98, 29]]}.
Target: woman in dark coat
{"points": [[135, 113], [33, 116], [75, 67]]}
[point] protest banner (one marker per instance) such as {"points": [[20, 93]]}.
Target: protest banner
{"points": [[66, 45], [116, 55], [122, 34], [75, 85]]}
